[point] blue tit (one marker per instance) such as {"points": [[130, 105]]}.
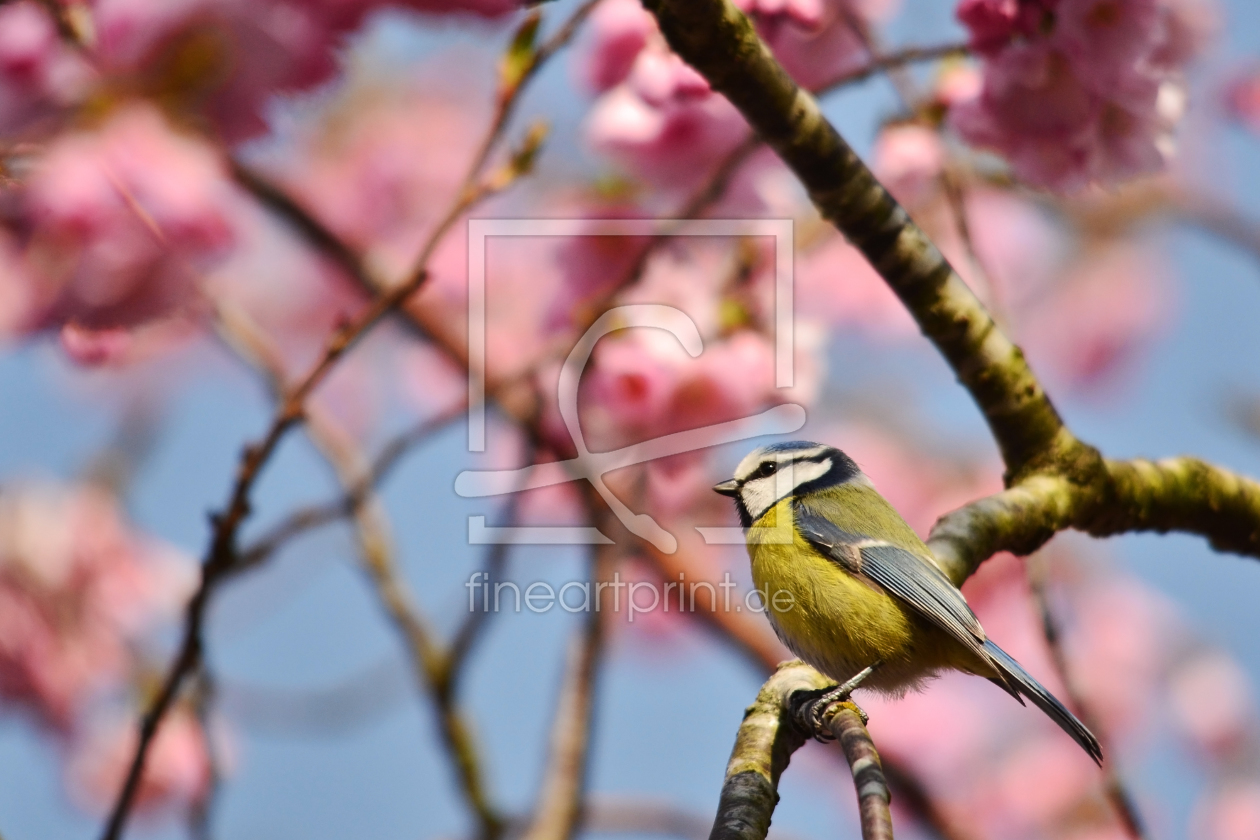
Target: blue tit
{"points": [[848, 585]]}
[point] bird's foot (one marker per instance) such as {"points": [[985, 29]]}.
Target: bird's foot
{"points": [[811, 711]]}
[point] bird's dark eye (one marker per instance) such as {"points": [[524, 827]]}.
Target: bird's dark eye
{"points": [[766, 468]]}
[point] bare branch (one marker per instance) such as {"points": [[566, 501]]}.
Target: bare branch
{"points": [[1116, 791], [428, 659], [849, 729], [719, 41], [764, 745], [1175, 494], [560, 801], [221, 554], [1056, 481]]}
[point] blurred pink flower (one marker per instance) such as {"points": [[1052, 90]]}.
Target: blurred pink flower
{"points": [[836, 285], [1105, 39], [1108, 305], [643, 384], [76, 587], [380, 162], [1188, 28], [1213, 704], [1077, 96], [662, 124], [992, 23], [1040, 781], [815, 40], [618, 31], [224, 59], [177, 773], [908, 160], [122, 220], [1232, 813], [1242, 98], [39, 73], [1118, 637]]}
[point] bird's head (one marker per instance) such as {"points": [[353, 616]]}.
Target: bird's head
{"points": [[772, 473]]}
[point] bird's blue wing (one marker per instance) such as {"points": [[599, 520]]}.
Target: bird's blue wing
{"points": [[915, 580]]}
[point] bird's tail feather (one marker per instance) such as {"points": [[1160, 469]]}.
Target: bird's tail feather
{"points": [[1014, 675]]}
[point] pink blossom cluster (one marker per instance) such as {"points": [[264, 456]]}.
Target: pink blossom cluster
{"points": [[79, 590], [1083, 308], [115, 225], [1080, 92], [657, 117], [40, 75]]}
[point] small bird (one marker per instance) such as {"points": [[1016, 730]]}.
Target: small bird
{"points": [[868, 602]]}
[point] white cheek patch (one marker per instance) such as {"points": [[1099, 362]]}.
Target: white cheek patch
{"points": [[761, 494], [758, 496]]}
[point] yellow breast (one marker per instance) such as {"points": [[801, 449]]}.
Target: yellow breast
{"points": [[835, 621]]}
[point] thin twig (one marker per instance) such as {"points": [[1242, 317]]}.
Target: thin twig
{"points": [[559, 808], [314, 516], [205, 696], [372, 533], [1114, 787], [472, 628], [847, 726], [222, 551], [510, 94], [428, 659], [884, 61]]}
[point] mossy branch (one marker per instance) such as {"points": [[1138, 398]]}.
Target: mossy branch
{"points": [[1054, 480], [1175, 494], [719, 41], [772, 730]]}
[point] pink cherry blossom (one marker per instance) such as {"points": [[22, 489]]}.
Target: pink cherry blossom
{"points": [[1242, 98], [1104, 39], [617, 33], [39, 74], [1118, 636], [225, 59], [1213, 704], [908, 159], [177, 773], [77, 586], [1040, 781], [1073, 98], [661, 126], [837, 286], [1229, 814], [1106, 306], [992, 23], [380, 161], [122, 221]]}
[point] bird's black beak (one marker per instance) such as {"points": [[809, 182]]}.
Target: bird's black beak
{"points": [[727, 488]]}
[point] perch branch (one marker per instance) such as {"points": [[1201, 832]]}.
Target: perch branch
{"points": [[774, 727], [1055, 481]]}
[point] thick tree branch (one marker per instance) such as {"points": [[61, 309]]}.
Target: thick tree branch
{"points": [[1055, 480], [719, 41], [764, 745], [1175, 494]]}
